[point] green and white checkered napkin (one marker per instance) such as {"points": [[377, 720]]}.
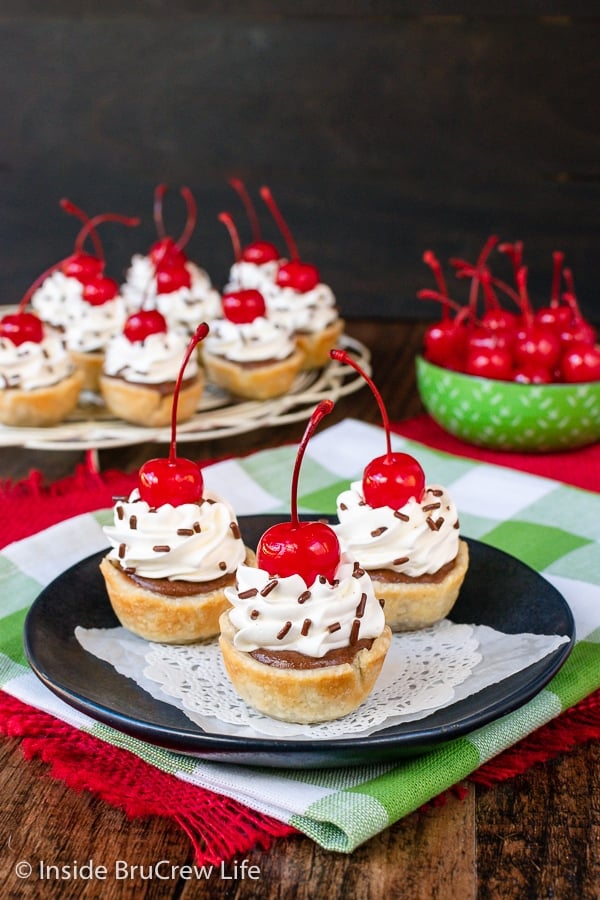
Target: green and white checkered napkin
{"points": [[551, 527]]}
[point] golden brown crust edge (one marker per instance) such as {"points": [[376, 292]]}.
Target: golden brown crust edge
{"points": [[166, 620], [41, 407], [409, 607], [303, 695], [142, 405], [316, 347], [256, 382], [90, 365]]}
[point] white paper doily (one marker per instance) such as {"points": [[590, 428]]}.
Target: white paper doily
{"points": [[423, 671], [219, 415]]}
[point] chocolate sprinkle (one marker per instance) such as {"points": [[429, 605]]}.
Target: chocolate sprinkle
{"points": [[254, 614], [133, 522], [379, 531], [251, 592], [222, 566], [358, 571], [322, 579], [120, 512], [456, 524], [401, 515], [304, 596], [268, 587], [122, 549], [161, 548], [335, 626], [305, 627], [431, 506], [284, 631], [360, 609], [381, 602], [436, 492], [400, 561], [235, 530], [196, 527], [343, 507], [354, 632], [185, 532]]}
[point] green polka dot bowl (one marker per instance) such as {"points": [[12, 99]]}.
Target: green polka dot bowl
{"points": [[506, 415]]}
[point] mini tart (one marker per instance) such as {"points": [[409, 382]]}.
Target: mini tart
{"points": [[308, 695], [316, 346], [163, 618], [90, 366], [414, 604], [146, 405], [253, 381], [43, 406]]}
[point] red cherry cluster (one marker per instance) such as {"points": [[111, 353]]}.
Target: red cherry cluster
{"points": [[167, 255], [175, 480], [98, 288], [551, 344], [394, 479], [308, 549]]}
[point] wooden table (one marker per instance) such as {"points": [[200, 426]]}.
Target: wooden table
{"points": [[537, 835]]}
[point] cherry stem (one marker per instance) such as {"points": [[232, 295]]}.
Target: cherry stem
{"points": [[525, 304], [342, 356], [190, 222], [229, 224], [267, 196], [159, 193], [570, 295], [238, 185], [91, 224], [199, 335], [73, 210], [514, 253], [432, 261], [557, 264], [322, 410], [428, 294], [491, 299]]}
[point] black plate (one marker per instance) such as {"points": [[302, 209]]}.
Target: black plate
{"points": [[499, 591]]}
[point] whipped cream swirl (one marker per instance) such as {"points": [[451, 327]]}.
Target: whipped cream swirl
{"points": [[308, 312], [155, 360], [56, 297], [416, 540], [245, 275], [194, 542], [87, 327], [255, 341], [183, 308], [32, 365], [286, 614]]}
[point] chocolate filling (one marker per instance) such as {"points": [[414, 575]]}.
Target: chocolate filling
{"points": [[164, 388], [391, 577], [291, 659], [179, 588], [256, 363]]}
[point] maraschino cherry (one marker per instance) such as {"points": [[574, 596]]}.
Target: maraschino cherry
{"points": [[301, 276], [140, 325], [308, 549], [173, 480], [258, 251], [246, 304], [390, 480], [20, 327]]}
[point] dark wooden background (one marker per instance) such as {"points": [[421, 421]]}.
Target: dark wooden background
{"points": [[384, 128]]}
